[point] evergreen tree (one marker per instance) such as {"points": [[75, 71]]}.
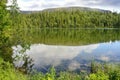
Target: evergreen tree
{"points": [[5, 50]]}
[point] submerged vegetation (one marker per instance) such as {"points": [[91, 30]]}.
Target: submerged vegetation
{"points": [[56, 27]]}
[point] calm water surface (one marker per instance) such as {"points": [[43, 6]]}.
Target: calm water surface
{"points": [[70, 57]]}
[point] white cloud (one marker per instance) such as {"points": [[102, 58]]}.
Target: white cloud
{"points": [[104, 58], [44, 4], [54, 55], [74, 65]]}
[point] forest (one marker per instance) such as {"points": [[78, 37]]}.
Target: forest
{"points": [[66, 27], [74, 27], [73, 18]]}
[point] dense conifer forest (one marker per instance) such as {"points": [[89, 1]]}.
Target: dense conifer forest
{"points": [[73, 18]]}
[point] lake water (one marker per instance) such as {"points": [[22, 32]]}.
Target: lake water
{"points": [[70, 57]]}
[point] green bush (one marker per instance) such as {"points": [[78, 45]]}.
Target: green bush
{"points": [[114, 73], [100, 75], [7, 72], [69, 76]]}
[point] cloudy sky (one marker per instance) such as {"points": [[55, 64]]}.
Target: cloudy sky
{"points": [[112, 5]]}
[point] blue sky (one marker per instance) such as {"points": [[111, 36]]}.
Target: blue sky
{"points": [[113, 5]]}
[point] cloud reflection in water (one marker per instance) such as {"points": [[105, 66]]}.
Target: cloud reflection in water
{"points": [[72, 57]]}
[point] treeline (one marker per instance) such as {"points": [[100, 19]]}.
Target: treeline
{"points": [[68, 19]]}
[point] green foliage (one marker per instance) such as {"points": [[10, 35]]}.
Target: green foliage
{"points": [[5, 32], [4, 24], [27, 61], [14, 9], [51, 75], [38, 76], [7, 72], [69, 19], [69, 76], [58, 27], [65, 27], [98, 76], [114, 73]]}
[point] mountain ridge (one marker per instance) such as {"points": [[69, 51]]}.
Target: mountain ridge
{"points": [[69, 9]]}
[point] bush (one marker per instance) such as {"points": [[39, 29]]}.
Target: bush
{"points": [[7, 72], [114, 73], [100, 75]]}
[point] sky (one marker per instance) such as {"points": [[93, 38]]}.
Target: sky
{"points": [[113, 5]]}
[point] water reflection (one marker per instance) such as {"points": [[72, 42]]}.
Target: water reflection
{"points": [[72, 57]]}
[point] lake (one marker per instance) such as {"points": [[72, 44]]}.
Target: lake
{"points": [[70, 58], [66, 36]]}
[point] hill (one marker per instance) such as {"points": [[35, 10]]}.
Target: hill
{"points": [[76, 9], [70, 9]]}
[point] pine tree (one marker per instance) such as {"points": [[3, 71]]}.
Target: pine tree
{"points": [[4, 31]]}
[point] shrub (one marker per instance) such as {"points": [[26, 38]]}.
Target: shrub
{"points": [[100, 75], [7, 72]]}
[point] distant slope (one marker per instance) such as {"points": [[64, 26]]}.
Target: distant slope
{"points": [[70, 9], [70, 17], [76, 8]]}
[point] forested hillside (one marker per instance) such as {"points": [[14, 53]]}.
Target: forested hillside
{"points": [[68, 18]]}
